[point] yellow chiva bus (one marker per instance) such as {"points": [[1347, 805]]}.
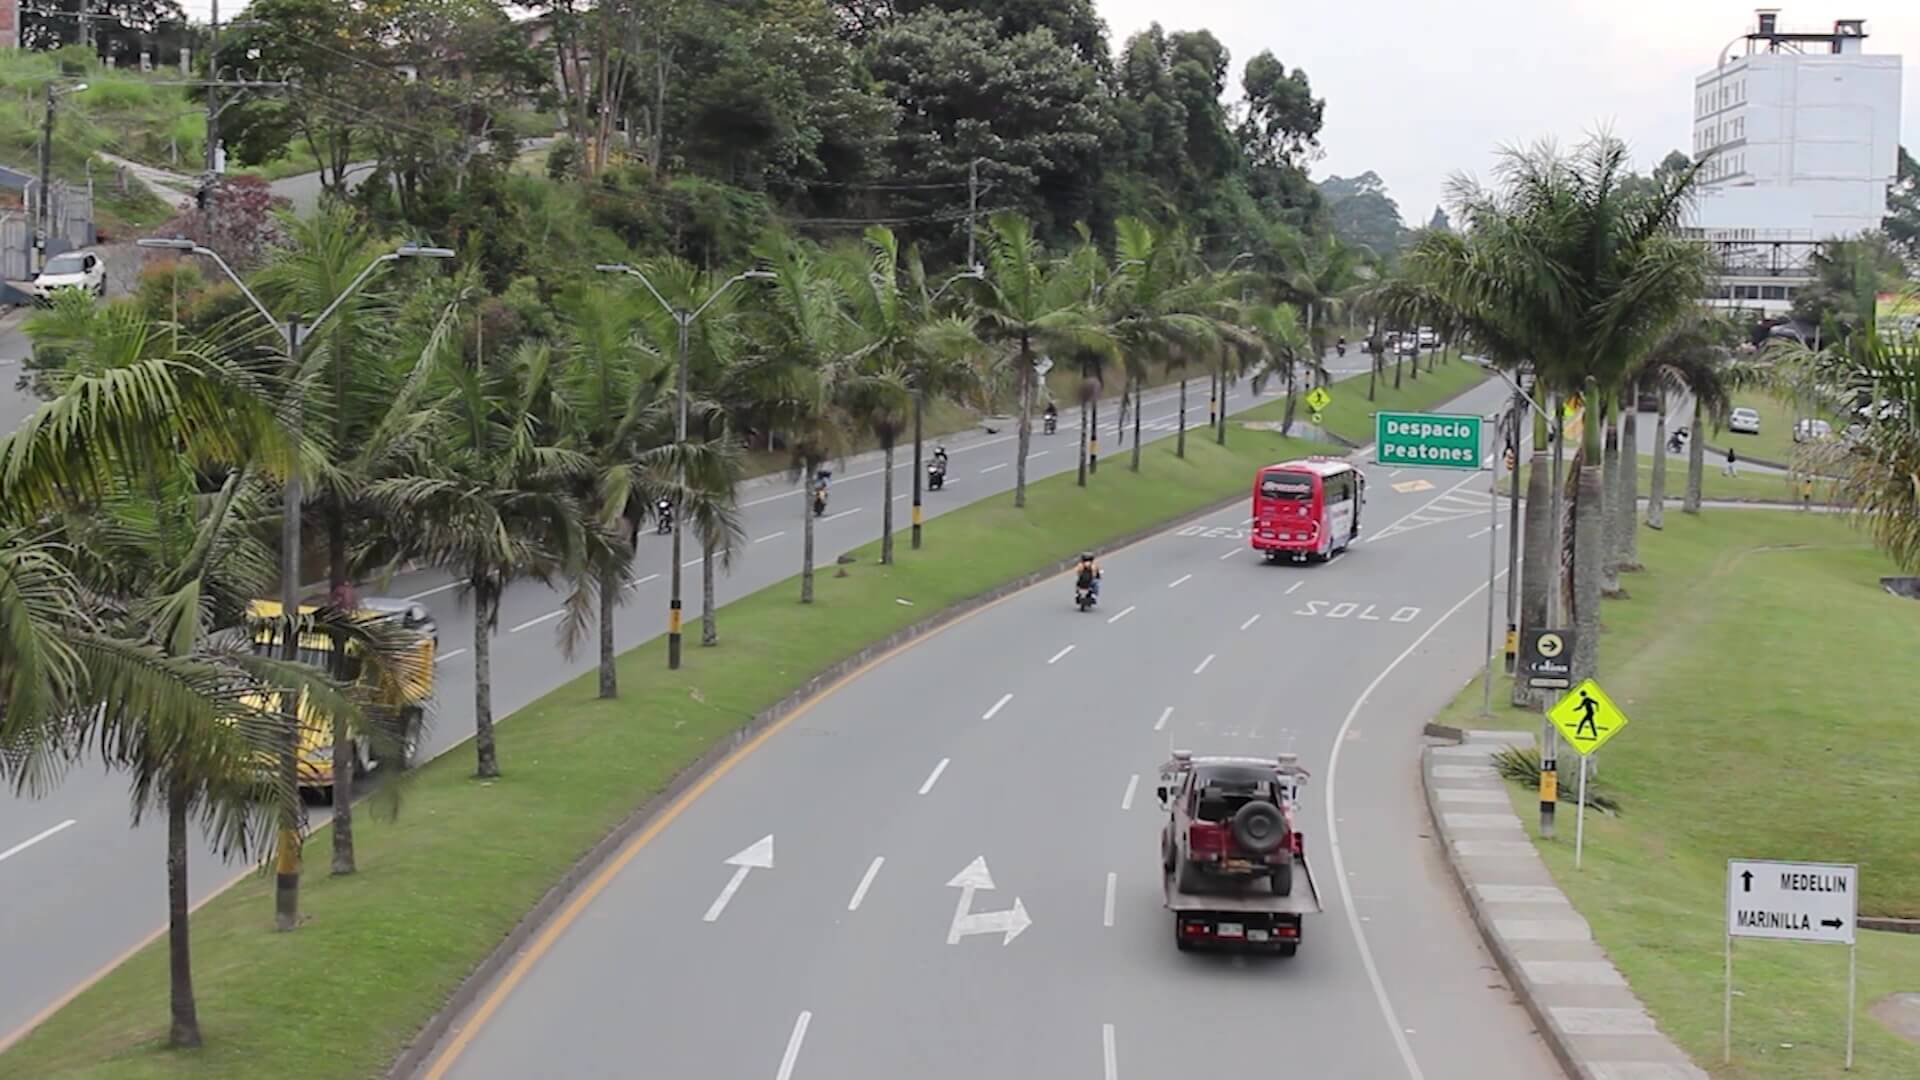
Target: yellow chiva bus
{"points": [[411, 693]]}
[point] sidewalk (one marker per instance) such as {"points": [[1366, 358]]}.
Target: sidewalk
{"points": [[175, 188]]}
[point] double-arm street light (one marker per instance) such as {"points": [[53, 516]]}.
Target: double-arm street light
{"points": [[683, 320]]}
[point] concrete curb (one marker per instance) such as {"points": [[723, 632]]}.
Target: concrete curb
{"points": [[1591, 1020], [420, 1051]]}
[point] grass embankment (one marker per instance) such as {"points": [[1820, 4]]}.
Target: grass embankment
{"points": [[122, 112], [1778, 415], [1769, 681], [1751, 485], [381, 950]]}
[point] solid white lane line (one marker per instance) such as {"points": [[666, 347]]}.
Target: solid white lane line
{"points": [[32, 840], [1106, 1051], [1133, 783], [841, 514], [549, 616], [993, 468], [934, 776], [866, 882], [1250, 622], [1294, 586], [1203, 664], [1177, 582], [1106, 915], [1162, 722], [445, 656], [771, 536], [1333, 836], [1120, 616], [1059, 655], [643, 581], [435, 591], [793, 1046], [1231, 554], [997, 706]]}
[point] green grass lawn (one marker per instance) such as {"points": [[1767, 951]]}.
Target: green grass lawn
{"points": [[439, 887], [1769, 680], [1751, 485], [1777, 416]]}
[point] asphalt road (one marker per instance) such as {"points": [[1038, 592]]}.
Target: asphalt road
{"points": [[1029, 738], [74, 899]]}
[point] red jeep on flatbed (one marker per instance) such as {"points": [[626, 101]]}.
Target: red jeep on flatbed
{"points": [[1234, 867]]}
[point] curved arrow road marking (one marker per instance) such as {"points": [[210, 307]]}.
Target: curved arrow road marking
{"points": [[1011, 922], [757, 857]]}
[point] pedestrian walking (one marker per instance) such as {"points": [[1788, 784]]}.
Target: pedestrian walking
{"points": [[1121, 439], [1733, 463], [1806, 492]]}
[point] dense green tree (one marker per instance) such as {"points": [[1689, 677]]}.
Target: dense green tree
{"points": [[1362, 213], [1902, 223]]}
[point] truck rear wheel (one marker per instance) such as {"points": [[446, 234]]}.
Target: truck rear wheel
{"points": [[1282, 880], [1287, 950], [1180, 940]]}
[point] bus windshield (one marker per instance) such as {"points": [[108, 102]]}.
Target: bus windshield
{"points": [[1286, 485]]}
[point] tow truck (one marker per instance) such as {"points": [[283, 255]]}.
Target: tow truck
{"points": [[1246, 909]]}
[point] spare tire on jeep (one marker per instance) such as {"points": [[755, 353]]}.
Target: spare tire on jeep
{"points": [[1259, 827]]}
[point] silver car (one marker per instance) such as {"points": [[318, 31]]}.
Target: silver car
{"points": [[1744, 421]]}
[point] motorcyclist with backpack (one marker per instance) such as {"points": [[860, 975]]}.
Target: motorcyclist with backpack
{"points": [[1087, 574]]}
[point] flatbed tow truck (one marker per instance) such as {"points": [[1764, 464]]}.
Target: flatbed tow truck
{"points": [[1251, 918]]}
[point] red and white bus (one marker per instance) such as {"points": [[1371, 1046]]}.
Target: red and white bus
{"points": [[1307, 509]]}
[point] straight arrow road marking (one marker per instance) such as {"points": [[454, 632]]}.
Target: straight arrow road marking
{"points": [[866, 882], [793, 1045], [976, 878], [757, 857]]}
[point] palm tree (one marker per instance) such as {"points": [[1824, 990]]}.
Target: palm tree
{"points": [[1151, 311], [1285, 339], [1028, 300], [1688, 360], [1317, 273], [1877, 466], [495, 500]]}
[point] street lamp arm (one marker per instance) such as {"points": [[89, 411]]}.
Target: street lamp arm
{"points": [[352, 287], [207, 252], [623, 268], [754, 275]]}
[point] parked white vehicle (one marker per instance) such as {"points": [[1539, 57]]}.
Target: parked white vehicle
{"points": [[1429, 339], [1809, 430], [1744, 421], [71, 270]]}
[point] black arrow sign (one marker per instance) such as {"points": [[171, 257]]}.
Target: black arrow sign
{"points": [[1832, 924], [1746, 881]]}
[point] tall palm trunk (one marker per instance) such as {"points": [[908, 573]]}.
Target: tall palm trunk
{"points": [[886, 497], [1629, 554], [1657, 492], [184, 1030], [1696, 459], [1293, 398], [1609, 504], [1025, 441], [1373, 374], [1138, 406], [1536, 557], [343, 748], [1086, 430], [1220, 421], [1180, 441], [1589, 550], [806, 546], [1093, 425], [709, 620], [919, 473], [609, 595], [1396, 367], [485, 604]]}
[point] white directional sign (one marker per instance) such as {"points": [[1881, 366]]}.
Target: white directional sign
{"points": [[975, 878], [1792, 901], [756, 856]]}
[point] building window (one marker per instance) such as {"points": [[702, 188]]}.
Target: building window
{"points": [[1773, 292]]}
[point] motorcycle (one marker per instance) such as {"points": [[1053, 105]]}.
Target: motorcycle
{"points": [[1677, 441], [936, 475], [663, 515], [1083, 596], [1050, 423]]}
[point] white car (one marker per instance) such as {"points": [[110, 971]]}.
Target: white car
{"points": [[1810, 430], [1429, 339], [72, 270], [1744, 421]]}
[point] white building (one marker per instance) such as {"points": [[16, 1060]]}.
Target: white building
{"points": [[1799, 136]]}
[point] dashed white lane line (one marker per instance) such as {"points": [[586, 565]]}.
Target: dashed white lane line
{"points": [[866, 882], [1133, 784], [792, 1056], [1161, 723], [1106, 1051], [994, 468], [771, 536], [32, 840], [997, 706], [1057, 657], [643, 581], [1249, 623], [1231, 554], [446, 656], [1038, 454], [841, 514], [1203, 664], [1179, 581], [536, 621], [1120, 616], [689, 562], [435, 591], [1294, 586], [1106, 914], [934, 776]]}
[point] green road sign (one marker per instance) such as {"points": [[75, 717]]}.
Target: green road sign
{"points": [[1427, 440]]}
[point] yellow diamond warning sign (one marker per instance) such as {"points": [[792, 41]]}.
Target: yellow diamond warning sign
{"points": [[1587, 717], [1319, 398]]}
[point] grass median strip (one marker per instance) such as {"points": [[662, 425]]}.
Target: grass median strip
{"points": [[381, 950], [1767, 677]]}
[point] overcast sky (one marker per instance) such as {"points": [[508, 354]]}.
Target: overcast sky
{"points": [[1416, 90]]}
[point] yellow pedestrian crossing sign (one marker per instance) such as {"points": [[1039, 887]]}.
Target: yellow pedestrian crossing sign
{"points": [[1319, 398], [1587, 717]]}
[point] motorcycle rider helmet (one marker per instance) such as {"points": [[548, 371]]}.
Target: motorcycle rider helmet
{"points": [[1086, 556]]}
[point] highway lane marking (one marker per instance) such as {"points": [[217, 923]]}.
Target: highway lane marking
{"points": [[1250, 622], [1038, 454], [934, 776], [1126, 801], [537, 621], [866, 882], [642, 581], [1057, 657], [1106, 915], [1294, 586], [1120, 616], [435, 591], [841, 514], [1162, 722], [32, 840], [1177, 582], [1340, 873], [1107, 1052], [794, 1040], [756, 856], [997, 706], [1231, 554], [445, 656], [689, 562], [1203, 664], [771, 536], [992, 468]]}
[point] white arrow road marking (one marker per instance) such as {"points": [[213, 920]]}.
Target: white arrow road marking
{"points": [[997, 706], [934, 776], [757, 857], [32, 840], [794, 1040], [866, 882], [1010, 922]]}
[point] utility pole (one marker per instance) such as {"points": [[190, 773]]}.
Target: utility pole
{"points": [[213, 109], [42, 215], [973, 205]]}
